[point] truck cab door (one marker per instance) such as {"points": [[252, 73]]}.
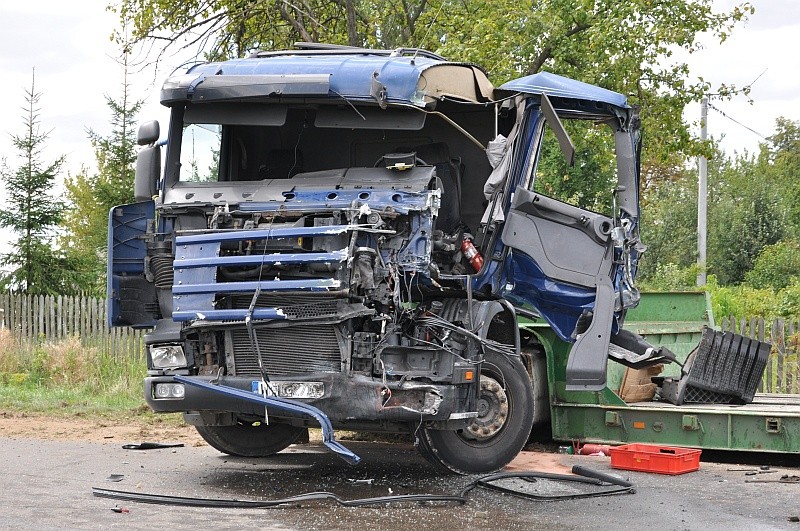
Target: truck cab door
{"points": [[561, 260]]}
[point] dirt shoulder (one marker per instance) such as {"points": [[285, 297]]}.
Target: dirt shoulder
{"points": [[17, 425]]}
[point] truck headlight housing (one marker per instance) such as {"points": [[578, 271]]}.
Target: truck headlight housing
{"points": [[167, 356], [169, 390]]}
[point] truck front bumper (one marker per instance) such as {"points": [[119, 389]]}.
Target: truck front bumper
{"points": [[346, 399]]}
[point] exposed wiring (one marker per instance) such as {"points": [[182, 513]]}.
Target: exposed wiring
{"points": [[294, 164], [248, 321], [428, 30], [449, 120], [485, 343], [349, 103]]}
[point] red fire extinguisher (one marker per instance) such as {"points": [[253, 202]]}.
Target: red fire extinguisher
{"points": [[472, 254]]}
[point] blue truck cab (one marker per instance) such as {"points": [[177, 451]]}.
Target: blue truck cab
{"points": [[348, 236]]}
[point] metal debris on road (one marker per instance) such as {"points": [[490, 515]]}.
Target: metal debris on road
{"points": [[581, 475], [150, 446], [784, 479]]}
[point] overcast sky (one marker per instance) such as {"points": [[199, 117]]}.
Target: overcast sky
{"points": [[68, 43], [768, 44]]}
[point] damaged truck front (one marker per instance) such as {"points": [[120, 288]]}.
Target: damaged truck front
{"points": [[330, 238]]}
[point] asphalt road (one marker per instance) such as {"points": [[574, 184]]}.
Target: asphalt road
{"points": [[47, 485]]}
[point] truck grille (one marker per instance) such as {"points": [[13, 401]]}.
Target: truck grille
{"points": [[295, 305], [291, 350]]}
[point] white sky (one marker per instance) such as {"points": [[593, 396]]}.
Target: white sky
{"points": [[69, 45], [767, 43]]}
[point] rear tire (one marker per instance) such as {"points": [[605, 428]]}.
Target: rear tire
{"points": [[496, 436], [250, 439]]}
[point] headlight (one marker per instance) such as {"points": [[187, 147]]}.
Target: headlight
{"points": [[169, 390], [167, 356]]}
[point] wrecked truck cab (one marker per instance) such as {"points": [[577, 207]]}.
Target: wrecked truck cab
{"points": [[329, 233]]}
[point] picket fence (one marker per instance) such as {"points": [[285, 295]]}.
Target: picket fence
{"points": [[782, 373], [36, 319], [33, 320]]}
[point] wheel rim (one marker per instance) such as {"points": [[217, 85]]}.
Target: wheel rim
{"points": [[493, 409]]}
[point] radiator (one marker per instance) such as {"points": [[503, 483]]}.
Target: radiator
{"points": [[290, 350]]}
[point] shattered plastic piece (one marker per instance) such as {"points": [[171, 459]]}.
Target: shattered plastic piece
{"points": [[362, 481], [115, 477], [120, 509]]}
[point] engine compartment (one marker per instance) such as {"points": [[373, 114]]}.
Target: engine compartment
{"points": [[347, 273]]}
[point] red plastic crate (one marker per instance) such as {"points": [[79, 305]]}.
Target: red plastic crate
{"points": [[654, 458]]}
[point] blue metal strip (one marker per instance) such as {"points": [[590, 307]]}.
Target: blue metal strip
{"points": [[401, 202], [258, 259], [262, 234], [249, 287], [228, 315], [281, 404], [202, 302]]}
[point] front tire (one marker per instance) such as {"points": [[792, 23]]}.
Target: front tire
{"points": [[250, 439], [496, 436]]}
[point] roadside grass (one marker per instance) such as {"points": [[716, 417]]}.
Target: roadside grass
{"points": [[65, 378]]}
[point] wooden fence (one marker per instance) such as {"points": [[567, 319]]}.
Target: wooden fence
{"points": [[782, 373], [35, 319]]}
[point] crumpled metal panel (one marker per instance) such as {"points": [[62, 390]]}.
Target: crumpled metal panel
{"points": [[564, 87], [351, 76]]}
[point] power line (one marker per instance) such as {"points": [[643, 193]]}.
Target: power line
{"points": [[737, 121]]}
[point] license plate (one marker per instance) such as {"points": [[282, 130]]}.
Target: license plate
{"points": [[308, 390]]}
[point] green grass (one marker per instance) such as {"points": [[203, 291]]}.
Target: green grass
{"points": [[68, 400], [67, 378]]}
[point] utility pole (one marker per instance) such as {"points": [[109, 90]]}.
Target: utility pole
{"points": [[702, 197]]}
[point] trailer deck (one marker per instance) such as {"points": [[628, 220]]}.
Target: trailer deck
{"points": [[771, 423]]}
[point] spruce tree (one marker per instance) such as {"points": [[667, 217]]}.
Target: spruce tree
{"points": [[35, 265]]}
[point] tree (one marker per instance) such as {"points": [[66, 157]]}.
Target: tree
{"points": [[623, 46], [779, 161], [32, 213], [745, 215], [92, 196], [669, 228], [777, 266]]}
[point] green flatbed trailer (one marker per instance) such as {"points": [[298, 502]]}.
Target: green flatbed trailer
{"points": [[771, 423]]}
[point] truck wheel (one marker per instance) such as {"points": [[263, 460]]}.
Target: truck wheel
{"points": [[496, 436], [250, 439]]}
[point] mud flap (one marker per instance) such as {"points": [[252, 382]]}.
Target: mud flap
{"points": [[586, 366]]}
